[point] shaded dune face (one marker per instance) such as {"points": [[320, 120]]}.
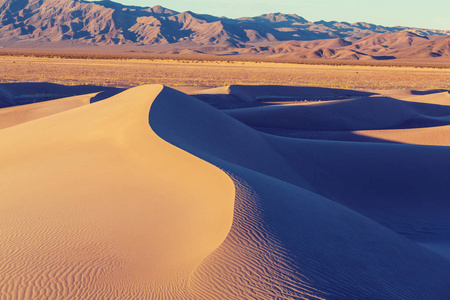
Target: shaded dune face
{"points": [[350, 244], [154, 194]]}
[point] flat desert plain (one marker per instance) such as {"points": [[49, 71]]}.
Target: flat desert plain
{"points": [[317, 188], [131, 72]]}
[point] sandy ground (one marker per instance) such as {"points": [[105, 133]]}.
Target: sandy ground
{"points": [[240, 192], [134, 72]]}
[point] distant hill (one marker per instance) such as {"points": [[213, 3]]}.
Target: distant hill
{"points": [[377, 46], [74, 23]]}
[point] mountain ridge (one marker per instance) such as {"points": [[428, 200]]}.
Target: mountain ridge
{"points": [[99, 23]]}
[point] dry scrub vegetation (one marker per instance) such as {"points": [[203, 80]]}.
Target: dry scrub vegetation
{"points": [[133, 72]]}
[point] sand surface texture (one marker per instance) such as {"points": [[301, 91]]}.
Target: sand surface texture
{"points": [[240, 192]]}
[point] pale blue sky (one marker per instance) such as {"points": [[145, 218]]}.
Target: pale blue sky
{"points": [[433, 14]]}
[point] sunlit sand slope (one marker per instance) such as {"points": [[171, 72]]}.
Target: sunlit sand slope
{"points": [[14, 115], [154, 194], [95, 206]]}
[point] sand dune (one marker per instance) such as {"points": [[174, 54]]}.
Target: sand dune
{"points": [[14, 115], [103, 208], [152, 193]]}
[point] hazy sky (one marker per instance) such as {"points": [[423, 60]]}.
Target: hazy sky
{"points": [[415, 13]]}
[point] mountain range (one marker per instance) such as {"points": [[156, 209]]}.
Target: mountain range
{"points": [[78, 23]]}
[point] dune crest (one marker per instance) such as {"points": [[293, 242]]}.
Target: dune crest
{"points": [[95, 205]]}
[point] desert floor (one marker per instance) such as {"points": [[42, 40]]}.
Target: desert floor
{"points": [[175, 73], [235, 192]]}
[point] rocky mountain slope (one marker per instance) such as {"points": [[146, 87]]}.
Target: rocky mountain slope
{"points": [[79, 22], [378, 46]]}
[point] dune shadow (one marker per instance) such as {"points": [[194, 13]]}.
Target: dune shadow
{"points": [[428, 92], [251, 93], [14, 94], [106, 94], [337, 136], [354, 114], [247, 96], [225, 101]]}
